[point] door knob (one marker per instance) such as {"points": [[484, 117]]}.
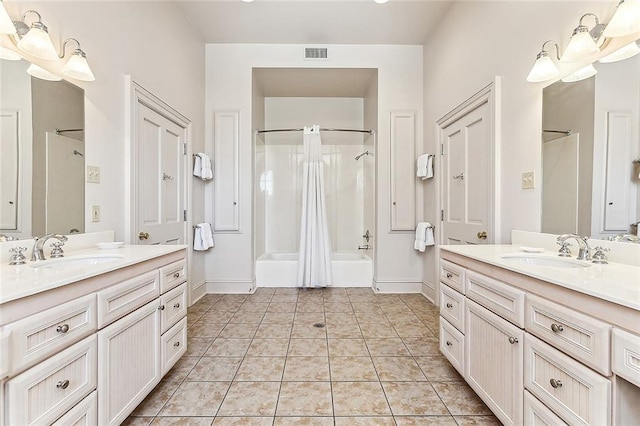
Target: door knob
{"points": [[482, 235], [143, 236]]}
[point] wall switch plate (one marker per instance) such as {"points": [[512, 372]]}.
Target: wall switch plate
{"points": [[528, 180], [93, 174], [95, 213]]}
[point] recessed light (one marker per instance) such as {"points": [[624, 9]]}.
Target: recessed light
{"points": [[381, 1]]}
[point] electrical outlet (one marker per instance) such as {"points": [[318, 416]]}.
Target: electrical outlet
{"points": [[528, 180], [95, 213], [93, 174]]}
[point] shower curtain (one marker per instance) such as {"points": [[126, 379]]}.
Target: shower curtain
{"points": [[314, 257]]}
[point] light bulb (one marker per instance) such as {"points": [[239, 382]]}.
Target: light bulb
{"points": [[39, 72], [580, 46], [581, 74], [37, 42], [543, 69], [77, 67], [625, 21]]}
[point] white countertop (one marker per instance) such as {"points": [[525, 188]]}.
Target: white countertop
{"points": [[615, 282], [24, 280]]}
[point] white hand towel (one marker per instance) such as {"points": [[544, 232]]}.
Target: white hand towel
{"points": [[203, 237], [428, 237], [429, 167], [202, 166], [197, 166], [424, 236], [421, 165]]}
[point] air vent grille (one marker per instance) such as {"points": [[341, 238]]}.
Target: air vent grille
{"points": [[317, 53]]}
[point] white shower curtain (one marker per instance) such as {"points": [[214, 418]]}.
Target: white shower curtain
{"points": [[314, 259]]}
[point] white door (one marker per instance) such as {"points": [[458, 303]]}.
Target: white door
{"points": [[466, 178], [161, 157]]}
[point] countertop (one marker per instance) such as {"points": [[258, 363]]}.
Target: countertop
{"points": [[24, 280], [615, 282]]}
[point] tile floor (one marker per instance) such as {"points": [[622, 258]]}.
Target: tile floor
{"points": [[259, 360]]}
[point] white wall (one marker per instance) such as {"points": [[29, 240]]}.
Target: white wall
{"points": [[475, 42], [229, 76], [150, 41]]}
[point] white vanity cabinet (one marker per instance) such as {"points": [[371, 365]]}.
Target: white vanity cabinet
{"points": [[90, 352]]}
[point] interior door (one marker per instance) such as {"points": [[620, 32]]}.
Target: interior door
{"points": [[161, 155], [466, 178]]}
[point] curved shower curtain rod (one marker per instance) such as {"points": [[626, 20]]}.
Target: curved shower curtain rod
{"points": [[322, 129]]}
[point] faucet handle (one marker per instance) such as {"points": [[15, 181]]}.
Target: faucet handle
{"points": [[57, 252], [17, 258], [564, 249], [599, 256]]}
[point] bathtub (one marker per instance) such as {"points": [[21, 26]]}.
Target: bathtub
{"points": [[281, 270]]}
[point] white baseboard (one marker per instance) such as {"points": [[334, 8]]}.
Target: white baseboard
{"points": [[289, 285], [231, 287], [429, 291], [198, 291], [397, 287]]}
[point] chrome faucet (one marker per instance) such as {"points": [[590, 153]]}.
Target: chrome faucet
{"points": [[625, 238], [584, 252], [37, 253]]}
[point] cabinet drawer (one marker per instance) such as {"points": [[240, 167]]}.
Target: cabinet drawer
{"points": [[174, 345], [537, 414], [496, 296], [83, 414], [452, 275], [45, 392], [173, 306], [452, 307], [582, 337], [119, 300], [574, 392], [452, 345], [39, 336], [173, 275], [626, 355]]}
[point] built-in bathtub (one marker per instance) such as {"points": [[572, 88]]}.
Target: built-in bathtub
{"points": [[281, 270]]}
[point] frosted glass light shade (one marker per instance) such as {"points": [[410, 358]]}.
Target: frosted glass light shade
{"points": [[6, 25], [543, 69], [580, 46], [625, 21], [625, 52], [9, 55], [77, 67], [381, 1], [38, 43], [581, 74], [39, 72]]}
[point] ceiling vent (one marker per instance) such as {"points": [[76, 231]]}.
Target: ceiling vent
{"points": [[315, 53]]}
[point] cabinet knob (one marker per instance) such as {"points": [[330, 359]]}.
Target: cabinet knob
{"points": [[556, 328], [513, 340], [449, 343], [161, 308], [177, 305], [143, 236], [176, 275], [62, 328], [449, 275], [555, 383], [482, 235], [449, 305], [176, 344], [62, 384]]}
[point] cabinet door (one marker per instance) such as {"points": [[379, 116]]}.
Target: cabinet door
{"points": [[226, 158], [494, 362], [128, 363], [403, 178]]}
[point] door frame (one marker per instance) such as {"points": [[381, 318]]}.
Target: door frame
{"points": [[490, 94], [135, 94]]}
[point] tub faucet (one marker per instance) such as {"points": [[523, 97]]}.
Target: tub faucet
{"points": [[37, 253], [584, 252]]}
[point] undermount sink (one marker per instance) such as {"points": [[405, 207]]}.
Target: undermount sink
{"points": [[545, 260], [80, 261]]}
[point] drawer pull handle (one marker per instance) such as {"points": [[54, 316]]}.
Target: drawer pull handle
{"points": [[62, 384], [556, 328], [161, 308], [449, 305], [449, 275], [513, 340], [555, 383], [177, 305], [176, 344], [176, 275], [62, 328], [449, 343]]}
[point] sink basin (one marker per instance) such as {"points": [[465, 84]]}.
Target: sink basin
{"points": [[73, 262], [554, 262]]}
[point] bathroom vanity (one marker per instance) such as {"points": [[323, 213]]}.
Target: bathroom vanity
{"points": [[85, 338], [543, 342]]}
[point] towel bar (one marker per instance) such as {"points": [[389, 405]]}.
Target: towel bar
{"points": [[198, 226]]}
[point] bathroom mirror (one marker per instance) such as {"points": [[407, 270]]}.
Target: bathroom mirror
{"points": [[590, 139], [42, 154]]}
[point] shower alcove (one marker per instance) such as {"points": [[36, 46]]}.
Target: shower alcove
{"points": [[333, 98]]}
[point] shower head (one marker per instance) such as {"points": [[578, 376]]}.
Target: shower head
{"points": [[363, 154]]}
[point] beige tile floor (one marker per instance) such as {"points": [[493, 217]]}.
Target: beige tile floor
{"points": [[259, 360]]}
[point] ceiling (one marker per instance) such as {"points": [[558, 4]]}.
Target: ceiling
{"points": [[315, 21]]}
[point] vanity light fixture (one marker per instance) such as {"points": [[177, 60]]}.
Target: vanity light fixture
{"points": [[583, 41], [581, 74], [39, 72], [625, 52], [544, 68], [35, 40], [626, 19], [9, 55], [77, 66], [6, 24]]}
